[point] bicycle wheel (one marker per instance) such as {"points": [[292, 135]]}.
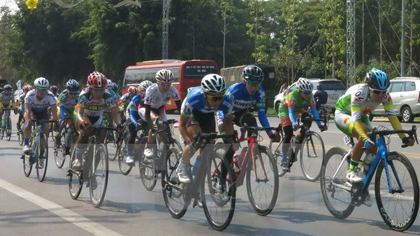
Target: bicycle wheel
{"points": [[148, 172], [218, 200], [75, 179], [98, 179], [337, 200], [399, 208], [311, 156], [27, 165], [9, 129], [111, 145], [2, 134], [262, 182], [60, 153], [41, 172], [173, 192], [122, 153]]}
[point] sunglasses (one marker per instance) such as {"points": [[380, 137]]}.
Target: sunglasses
{"points": [[42, 88], [215, 98], [307, 92], [99, 89], [379, 92]]}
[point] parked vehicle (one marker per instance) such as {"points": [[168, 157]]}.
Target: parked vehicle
{"points": [[405, 94]]}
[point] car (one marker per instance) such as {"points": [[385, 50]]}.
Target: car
{"points": [[334, 87], [405, 94]]}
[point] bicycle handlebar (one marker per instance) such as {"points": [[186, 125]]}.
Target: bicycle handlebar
{"points": [[211, 136], [412, 133]]}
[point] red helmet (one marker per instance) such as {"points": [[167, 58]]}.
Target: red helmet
{"points": [[97, 80], [132, 90], [25, 88]]}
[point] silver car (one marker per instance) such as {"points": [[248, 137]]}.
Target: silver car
{"points": [[405, 94], [334, 87]]}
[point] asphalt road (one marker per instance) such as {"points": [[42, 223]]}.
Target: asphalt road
{"points": [[28, 207]]}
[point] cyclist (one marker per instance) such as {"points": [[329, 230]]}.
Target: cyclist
{"points": [[89, 110], [294, 104], [351, 116], [37, 103], [67, 101], [155, 99], [320, 96], [54, 90], [125, 100], [7, 101], [133, 110], [21, 103], [197, 115]]}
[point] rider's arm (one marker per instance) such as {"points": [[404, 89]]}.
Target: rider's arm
{"points": [[148, 118], [54, 111], [133, 116], [80, 116], [314, 111], [183, 129], [115, 116], [357, 99], [28, 113], [178, 105], [392, 117], [62, 111]]}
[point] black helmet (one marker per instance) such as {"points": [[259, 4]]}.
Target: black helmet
{"points": [[377, 79], [253, 74], [54, 89]]}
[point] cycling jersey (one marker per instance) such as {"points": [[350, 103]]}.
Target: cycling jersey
{"points": [[132, 108], [125, 99], [6, 100], [42, 105], [66, 104], [293, 105], [195, 100], [242, 100], [95, 107], [156, 99]]}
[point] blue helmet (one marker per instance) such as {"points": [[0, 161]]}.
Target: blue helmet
{"points": [[7, 87], [72, 85], [377, 79]]}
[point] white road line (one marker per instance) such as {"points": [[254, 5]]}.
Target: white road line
{"points": [[70, 216]]}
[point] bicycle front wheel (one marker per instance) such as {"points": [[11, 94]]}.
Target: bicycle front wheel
{"points": [[9, 128], [336, 197], [27, 165], [262, 182], [98, 179], [218, 199], [75, 178], [60, 153], [311, 156], [111, 145], [397, 200], [121, 154], [42, 163]]}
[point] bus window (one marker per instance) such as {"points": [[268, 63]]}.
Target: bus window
{"points": [[199, 71], [134, 76]]}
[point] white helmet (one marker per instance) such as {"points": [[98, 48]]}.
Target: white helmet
{"points": [[213, 84], [144, 85], [41, 82], [304, 85], [164, 76]]}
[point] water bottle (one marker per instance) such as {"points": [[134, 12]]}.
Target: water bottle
{"points": [[368, 161], [196, 165]]}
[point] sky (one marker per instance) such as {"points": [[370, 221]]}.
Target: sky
{"points": [[10, 3]]}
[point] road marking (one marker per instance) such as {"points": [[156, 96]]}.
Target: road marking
{"points": [[70, 216]]}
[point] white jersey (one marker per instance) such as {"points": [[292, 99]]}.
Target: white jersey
{"points": [[156, 99], [40, 105]]}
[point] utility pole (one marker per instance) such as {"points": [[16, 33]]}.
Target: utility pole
{"points": [[224, 32], [165, 32], [403, 39], [351, 39]]}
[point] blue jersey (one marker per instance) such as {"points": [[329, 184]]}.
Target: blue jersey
{"points": [[132, 108], [195, 101], [242, 100]]}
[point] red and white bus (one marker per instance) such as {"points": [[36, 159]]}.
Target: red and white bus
{"points": [[186, 74]]}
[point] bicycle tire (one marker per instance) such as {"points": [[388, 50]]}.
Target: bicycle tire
{"points": [[27, 165], [2, 134], [75, 180], [9, 127], [312, 161], [40, 173], [60, 153], [148, 173], [173, 196], [97, 199], [263, 211], [110, 142], [121, 150], [213, 203], [380, 192], [327, 171]]}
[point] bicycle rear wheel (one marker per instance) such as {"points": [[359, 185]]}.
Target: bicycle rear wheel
{"points": [[218, 200], [311, 156], [122, 153], [75, 178], [111, 145], [262, 182], [173, 192], [9, 128], [398, 208], [27, 165], [337, 200], [98, 179], [41, 172], [147, 170], [60, 153]]}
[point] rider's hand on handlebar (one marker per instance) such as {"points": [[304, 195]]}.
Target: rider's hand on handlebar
{"points": [[408, 141], [295, 126], [275, 137], [369, 145]]}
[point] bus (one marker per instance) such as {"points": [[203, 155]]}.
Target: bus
{"points": [[186, 74]]}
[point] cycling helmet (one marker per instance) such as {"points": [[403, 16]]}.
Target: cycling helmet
{"points": [[319, 87], [144, 85], [114, 87], [377, 79], [8, 87], [253, 74], [72, 85], [213, 84], [304, 85], [25, 88], [132, 90], [164, 76], [41, 82], [54, 89], [97, 80]]}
